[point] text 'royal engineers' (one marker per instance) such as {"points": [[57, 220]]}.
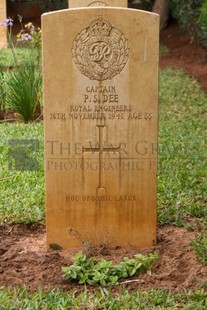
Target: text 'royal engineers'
{"points": [[100, 74]]}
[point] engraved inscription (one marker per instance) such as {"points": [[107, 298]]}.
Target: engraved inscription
{"points": [[101, 112], [98, 3], [101, 103], [105, 198], [100, 51]]}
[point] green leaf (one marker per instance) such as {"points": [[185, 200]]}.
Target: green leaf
{"points": [[99, 271]]}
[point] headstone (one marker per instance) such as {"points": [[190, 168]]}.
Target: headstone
{"points": [[92, 3], [3, 35], [162, 8], [101, 114]]}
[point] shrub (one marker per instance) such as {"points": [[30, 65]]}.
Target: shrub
{"points": [[191, 16], [202, 23], [55, 5], [147, 4]]}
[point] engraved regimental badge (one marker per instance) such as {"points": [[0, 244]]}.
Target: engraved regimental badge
{"points": [[100, 51]]}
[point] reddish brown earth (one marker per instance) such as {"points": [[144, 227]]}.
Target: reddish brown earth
{"points": [[184, 53], [23, 256], [24, 260]]}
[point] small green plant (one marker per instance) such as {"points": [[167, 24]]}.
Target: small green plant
{"points": [[95, 271], [24, 91], [200, 246]]}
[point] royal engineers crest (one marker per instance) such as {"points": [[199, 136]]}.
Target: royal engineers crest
{"points": [[100, 51]]}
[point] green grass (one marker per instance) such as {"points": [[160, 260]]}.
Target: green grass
{"points": [[21, 192], [101, 299], [7, 58], [163, 50], [182, 197], [200, 245], [182, 178]]}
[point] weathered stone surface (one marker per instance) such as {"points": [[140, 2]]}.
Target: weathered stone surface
{"points": [[92, 3], [100, 68], [3, 39]]}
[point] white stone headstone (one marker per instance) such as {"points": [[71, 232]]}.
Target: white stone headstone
{"points": [[100, 68]]}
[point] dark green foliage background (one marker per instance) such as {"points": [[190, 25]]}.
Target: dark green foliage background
{"points": [[191, 15]]}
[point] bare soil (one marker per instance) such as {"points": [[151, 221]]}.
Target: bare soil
{"points": [[25, 261], [23, 256]]}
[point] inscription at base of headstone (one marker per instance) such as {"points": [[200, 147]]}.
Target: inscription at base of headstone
{"points": [[3, 36], [101, 116], [92, 3]]}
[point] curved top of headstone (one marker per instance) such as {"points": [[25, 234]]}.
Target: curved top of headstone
{"points": [[100, 73], [92, 3]]}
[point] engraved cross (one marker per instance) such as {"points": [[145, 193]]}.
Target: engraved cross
{"points": [[100, 190]]}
